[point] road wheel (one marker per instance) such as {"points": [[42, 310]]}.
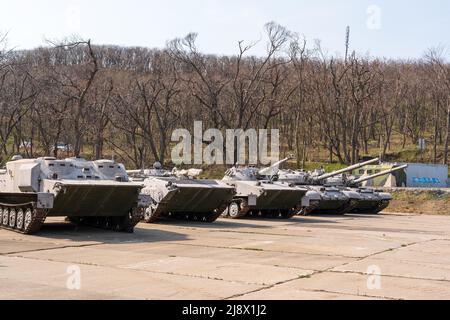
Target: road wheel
{"points": [[28, 218], [150, 214], [234, 210], [20, 219], [226, 212], [12, 218], [5, 217], [288, 214]]}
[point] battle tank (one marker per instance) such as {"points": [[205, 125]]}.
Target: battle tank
{"points": [[371, 201], [259, 194], [322, 197], [90, 192], [179, 194]]}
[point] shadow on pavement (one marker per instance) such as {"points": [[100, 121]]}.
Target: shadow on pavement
{"points": [[330, 218], [310, 219], [218, 224], [362, 215], [80, 233]]}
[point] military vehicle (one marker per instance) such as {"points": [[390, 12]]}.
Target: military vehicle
{"points": [[318, 198], [259, 194], [90, 192], [371, 201], [179, 194], [322, 197]]}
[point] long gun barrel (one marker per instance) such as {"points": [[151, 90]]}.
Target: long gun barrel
{"points": [[135, 172], [348, 169], [269, 170], [376, 175]]}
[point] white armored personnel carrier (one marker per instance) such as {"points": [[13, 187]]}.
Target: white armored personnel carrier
{"points": [[259, 194], [179, 194], [91, 192]]}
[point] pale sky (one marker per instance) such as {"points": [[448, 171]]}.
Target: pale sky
{"points": [[383, 28]]}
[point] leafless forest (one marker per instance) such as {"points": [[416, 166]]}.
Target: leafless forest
{"points": [[107, 100]]}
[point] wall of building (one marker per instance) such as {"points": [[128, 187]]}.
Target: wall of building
{"points": [[417, 175], [426, 175]]}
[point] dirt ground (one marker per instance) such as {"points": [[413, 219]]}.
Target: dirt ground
{"points": [[431, 202]]}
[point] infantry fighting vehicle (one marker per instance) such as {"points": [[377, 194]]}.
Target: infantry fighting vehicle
{"points": [[179, 194], [90, 192], [322, 197], [259, 194], [370, 200]]}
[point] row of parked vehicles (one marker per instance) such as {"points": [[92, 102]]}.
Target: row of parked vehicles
{"points": [[103, 194]]}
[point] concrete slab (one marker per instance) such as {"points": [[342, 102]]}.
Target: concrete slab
{"points": [[208, 268], [357, 285], [319, 257], [49, 279]]}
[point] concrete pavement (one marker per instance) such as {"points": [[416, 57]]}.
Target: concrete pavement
{"points": [[390, 256]]}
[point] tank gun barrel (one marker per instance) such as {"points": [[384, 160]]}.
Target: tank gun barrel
{"points": [[190, 173], [135, 171], [376, 175], [269, 170], [348, 169]]}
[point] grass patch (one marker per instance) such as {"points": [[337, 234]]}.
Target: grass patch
{"points": [[412, 196], [432, 202]]}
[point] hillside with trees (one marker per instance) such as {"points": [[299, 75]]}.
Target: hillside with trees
{"points": [[106, 101]]}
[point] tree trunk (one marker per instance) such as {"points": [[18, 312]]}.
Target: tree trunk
{"points": [[447, 136]]}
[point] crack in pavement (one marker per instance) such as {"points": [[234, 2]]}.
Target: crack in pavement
{"points": [[281, 283], [48, 249], [330, 270], [390, 275], [264, 250], [251, 232], [260, 285], [149, 271], [387, 275], [387, 250], [184, 244]]}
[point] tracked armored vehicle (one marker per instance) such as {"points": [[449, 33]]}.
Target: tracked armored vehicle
{"points": [[324, 197], [321, 199], [95, 193], [371, 201], [259, 194], [180, 195]]}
